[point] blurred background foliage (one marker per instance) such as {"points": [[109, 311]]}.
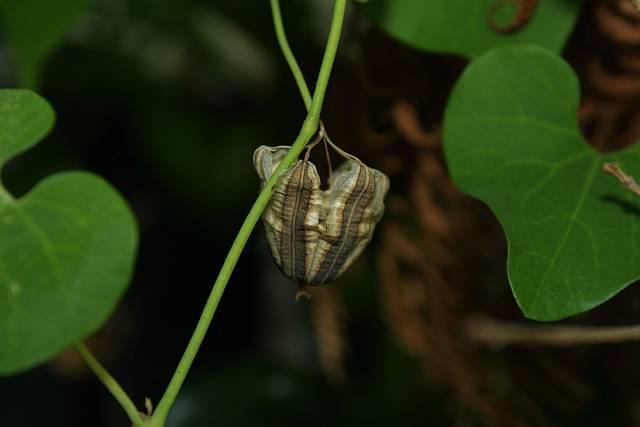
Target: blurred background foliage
{"points": [[167, 99]]}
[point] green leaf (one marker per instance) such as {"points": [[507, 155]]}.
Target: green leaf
{"points": [[34, 28], [460, 26], [66, 248], [512, 140]]}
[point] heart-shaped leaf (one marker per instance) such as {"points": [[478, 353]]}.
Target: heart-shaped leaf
{"points": [[460, 26], [512, 140], [66, 248], [34, 28]]}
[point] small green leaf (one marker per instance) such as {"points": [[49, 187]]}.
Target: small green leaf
{"points": [[25, 118], [512, 140], [66, 248], [34, 28], [460, 26]]}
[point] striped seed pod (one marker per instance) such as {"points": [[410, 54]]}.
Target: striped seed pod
{"points": [[314, 234]]}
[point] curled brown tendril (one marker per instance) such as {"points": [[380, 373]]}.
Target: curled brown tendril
{"points": [[524, 11]]}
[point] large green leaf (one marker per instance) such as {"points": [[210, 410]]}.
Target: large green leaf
{"points": [[460, 26], [34, 28], [512, 140], [66, 248]]}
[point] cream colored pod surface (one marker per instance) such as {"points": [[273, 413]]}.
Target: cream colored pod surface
{"points": [[315, 235]]}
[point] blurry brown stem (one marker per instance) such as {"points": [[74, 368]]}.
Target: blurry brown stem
{"points": [[613, 168], [492, 333], [327, 316]]}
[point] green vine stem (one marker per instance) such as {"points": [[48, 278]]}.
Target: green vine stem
{"points": [[288, 54], [112, 385], [309, 127]]}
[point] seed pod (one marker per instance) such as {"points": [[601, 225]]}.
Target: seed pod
{"points": [[315, 235]]}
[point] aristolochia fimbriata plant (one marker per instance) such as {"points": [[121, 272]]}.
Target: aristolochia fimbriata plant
{"points": [[67, 247]]}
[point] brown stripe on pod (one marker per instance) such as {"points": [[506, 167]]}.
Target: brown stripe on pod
{"points": [[354, 208], [294, 211]]}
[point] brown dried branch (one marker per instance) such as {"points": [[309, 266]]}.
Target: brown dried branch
{"points": [[407, 123], [617, 26], [605, 51], [616, 86], [627, 181], [487, 331]]}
